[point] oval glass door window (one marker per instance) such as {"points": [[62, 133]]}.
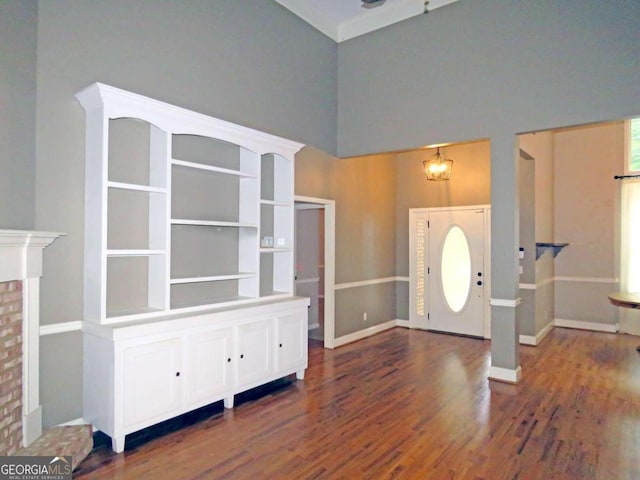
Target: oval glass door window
{"points": [[455, 269]]}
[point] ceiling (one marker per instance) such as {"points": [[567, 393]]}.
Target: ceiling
{"points": [[345, 19]]}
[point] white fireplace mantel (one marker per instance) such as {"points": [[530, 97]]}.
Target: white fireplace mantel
{"points": [[21, 259]]}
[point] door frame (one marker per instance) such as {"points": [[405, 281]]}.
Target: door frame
{"points": [[414, 213], [329, 207]]}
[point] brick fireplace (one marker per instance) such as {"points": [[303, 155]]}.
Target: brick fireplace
{"points": [[20, 272], [10, 367]]}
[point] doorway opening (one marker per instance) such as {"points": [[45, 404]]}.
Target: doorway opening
{"points": [[315, 264]]}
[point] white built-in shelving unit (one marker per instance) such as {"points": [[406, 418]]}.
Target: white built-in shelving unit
{"points": [[189, 288], [192, 211]]}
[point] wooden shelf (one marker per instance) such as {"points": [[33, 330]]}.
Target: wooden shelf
{"points": [[136, 187], [210, 168], [212, 278], [275, 203], [134, 252], [211, 223], [274, 249]]}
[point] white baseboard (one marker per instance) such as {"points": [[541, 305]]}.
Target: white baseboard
{"points": [[535, 341], [368, 332], [31, 426], [505, 374], [581, 325], [75, 421]]}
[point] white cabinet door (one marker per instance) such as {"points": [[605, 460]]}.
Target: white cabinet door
{"points": [[208, 361], [292, 342], [152, 383], [254, 353]]}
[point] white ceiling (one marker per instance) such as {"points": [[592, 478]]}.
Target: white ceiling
{"points": [[345, 19]]}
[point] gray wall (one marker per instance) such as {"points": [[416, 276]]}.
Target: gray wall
{"points": [[18, 24], [476, 68], [250, 62], [490, 69]]}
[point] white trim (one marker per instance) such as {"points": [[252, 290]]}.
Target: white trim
{"points": [[534, 341], [313, 326], [308, 280], [62, 327], [365, 283], [343, 27], [505, 374], [534, 286], [587, 279], [368, 332], [505, 302], [582, 325], [329, 264]]}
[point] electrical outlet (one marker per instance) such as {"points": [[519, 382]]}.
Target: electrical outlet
{"points": [[364, 317]]}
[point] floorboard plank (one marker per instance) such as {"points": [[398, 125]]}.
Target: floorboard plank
{"points": [[412, 404]]}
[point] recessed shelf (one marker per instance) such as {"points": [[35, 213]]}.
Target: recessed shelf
{"points": [[135, 311], [210, 302], [274, 293], [209, 168], [212, 278], [134, 252], [211, 223], [275, 204], [555, 248], [136, 187]]}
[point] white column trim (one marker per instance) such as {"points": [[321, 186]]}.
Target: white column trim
{"points": [[21, 259], [506, 375], [505, 302]]}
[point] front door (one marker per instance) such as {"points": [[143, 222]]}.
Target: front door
{"points": [[451, 291], [456, 271]]}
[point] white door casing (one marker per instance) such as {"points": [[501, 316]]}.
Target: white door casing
{"points": [[450, 269]]}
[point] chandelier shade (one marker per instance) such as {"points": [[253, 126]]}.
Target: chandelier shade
{"points": [[438, 167]]}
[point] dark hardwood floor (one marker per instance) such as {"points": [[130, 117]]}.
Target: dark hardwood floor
{"points": [[412, 404]]}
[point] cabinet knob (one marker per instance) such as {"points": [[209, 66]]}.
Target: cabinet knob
{"points": [[177, 374], [229, 359], [280, 345], [479, 282], [242, 355]]}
